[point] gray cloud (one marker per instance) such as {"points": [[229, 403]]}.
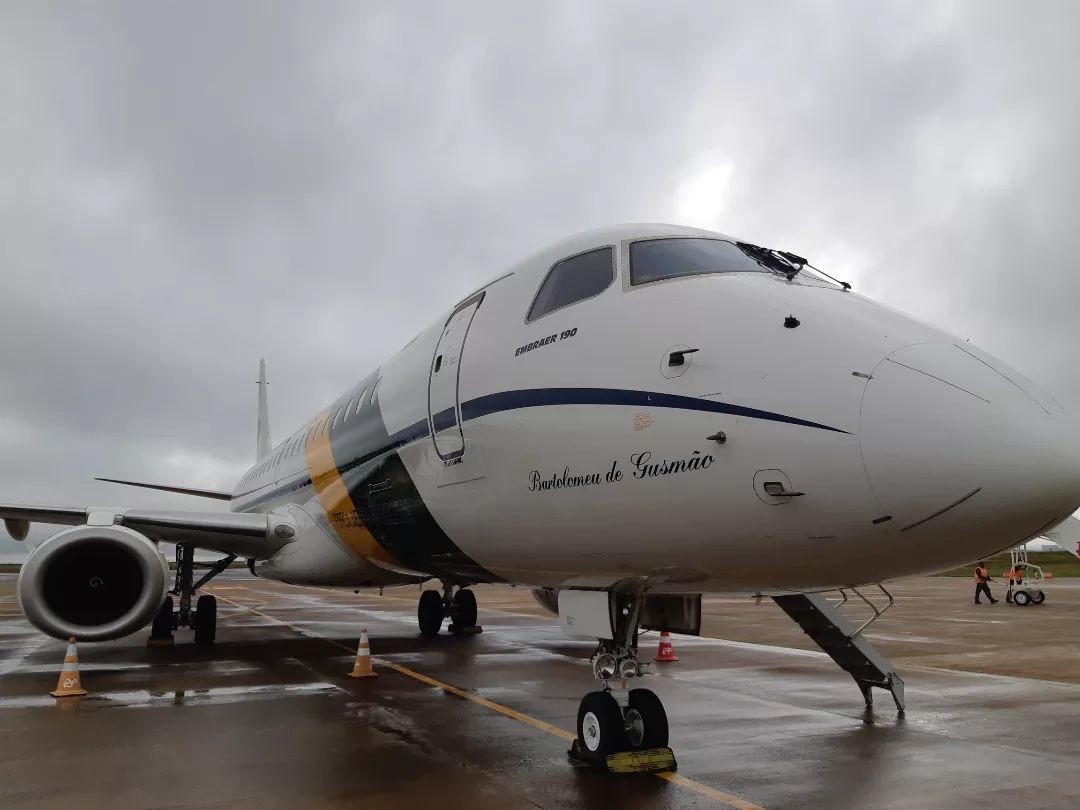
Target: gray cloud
{"points": [[185, 187]]}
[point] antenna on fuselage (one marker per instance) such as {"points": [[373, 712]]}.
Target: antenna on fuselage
{"points": [[262, 444]]}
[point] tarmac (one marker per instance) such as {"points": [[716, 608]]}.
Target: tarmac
{"points": [[268, 717]]}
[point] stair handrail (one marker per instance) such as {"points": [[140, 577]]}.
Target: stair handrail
{"points": [[878, 612]]}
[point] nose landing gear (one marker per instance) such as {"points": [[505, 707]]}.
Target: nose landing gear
{"points": [[607, 726], [628, 733]]}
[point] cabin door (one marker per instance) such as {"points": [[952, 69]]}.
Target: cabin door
{"points": [[444, 404]]}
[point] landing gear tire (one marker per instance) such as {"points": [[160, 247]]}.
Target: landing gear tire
{"points": [[645, 720], [464, 609], [163, 621], [205, 621], [1038, 597], [600, 726], [430, 613], [1021, 598]]}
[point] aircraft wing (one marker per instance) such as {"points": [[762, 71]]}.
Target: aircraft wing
{"points": [[1067, 535], [243, 534]]}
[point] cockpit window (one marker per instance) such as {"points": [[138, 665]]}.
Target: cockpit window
{"points": [[657, 259], [574, 279]]}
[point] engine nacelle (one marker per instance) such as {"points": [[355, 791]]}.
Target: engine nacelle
{"points": [[93, 582]]}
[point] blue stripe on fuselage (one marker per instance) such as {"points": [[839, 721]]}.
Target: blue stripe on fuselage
{"points": [[543, 397], [538, 397]]}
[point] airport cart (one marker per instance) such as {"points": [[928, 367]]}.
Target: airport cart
{"points": [[1029, 591]]}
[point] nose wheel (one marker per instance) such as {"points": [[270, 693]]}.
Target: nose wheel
{"points": [[645, 720], [600, 726], [605, 727]]}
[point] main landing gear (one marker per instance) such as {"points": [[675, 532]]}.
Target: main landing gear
{"points": [[203, 618], [636, 722], [460, 606]]}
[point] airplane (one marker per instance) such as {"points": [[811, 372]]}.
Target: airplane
{"points": [[630, 418]]}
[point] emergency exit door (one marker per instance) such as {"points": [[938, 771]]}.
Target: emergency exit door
{"points": [[444, 404]]}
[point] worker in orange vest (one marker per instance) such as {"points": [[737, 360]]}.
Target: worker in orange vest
{"points": [[982, 577], [1016, 577]]}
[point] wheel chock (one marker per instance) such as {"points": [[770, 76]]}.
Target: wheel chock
{"points": [[160, 641], [646, 760]]}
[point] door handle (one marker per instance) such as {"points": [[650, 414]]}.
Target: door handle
{"points": [[777, 490], [678, 357]]}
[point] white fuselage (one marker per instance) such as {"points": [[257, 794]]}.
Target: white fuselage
{"points": [[569, 450]]}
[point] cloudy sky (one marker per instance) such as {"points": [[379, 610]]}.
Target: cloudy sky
{"points": [[187, 186]]}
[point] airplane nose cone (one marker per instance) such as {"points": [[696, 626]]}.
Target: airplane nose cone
{"points": [[964, 453]]}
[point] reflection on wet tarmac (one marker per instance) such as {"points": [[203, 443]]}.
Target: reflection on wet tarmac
{"points": [[269, 720]]}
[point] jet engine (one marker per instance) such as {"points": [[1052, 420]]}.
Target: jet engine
{"points": [[93, 582]]}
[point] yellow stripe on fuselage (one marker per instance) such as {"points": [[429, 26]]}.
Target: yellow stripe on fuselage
{"points": [[336, 501]]}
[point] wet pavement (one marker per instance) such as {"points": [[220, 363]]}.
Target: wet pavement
{"points": [[268, 718]]}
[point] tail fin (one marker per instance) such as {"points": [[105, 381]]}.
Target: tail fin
{"points": [[1067, 535], [262, 447]]}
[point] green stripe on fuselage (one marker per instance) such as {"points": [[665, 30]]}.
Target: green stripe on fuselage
{"points": [[385, 497]]}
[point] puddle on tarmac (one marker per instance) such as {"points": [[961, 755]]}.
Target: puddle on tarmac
{"points": [[142, 698], [16, 629], [212, 667]]}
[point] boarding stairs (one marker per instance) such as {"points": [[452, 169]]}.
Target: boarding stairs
{"points": [[821, 619]]}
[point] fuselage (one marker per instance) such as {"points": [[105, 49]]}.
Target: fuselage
{"points": [[731, 429]]}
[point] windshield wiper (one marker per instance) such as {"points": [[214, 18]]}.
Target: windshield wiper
{"points": [[774, 260], [782, 261]]}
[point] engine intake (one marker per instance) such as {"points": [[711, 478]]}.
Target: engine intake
{"points": [[93, 582]]}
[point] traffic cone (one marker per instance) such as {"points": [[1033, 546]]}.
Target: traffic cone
{"points": [[362, 666], [666, 653], [69, 684]]}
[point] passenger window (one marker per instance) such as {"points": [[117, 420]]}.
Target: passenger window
{"points": [[574, 279], [438, 363]]}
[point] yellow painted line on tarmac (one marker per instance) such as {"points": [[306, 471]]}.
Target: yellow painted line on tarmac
{"points": [[668, 776], [488, 704], [708, 792]]}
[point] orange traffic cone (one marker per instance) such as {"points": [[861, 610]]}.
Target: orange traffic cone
{"points": [[69, 684], [666, 651], [362, 667]]}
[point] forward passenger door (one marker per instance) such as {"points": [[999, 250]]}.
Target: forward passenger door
{"points": [[444, 405]]}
